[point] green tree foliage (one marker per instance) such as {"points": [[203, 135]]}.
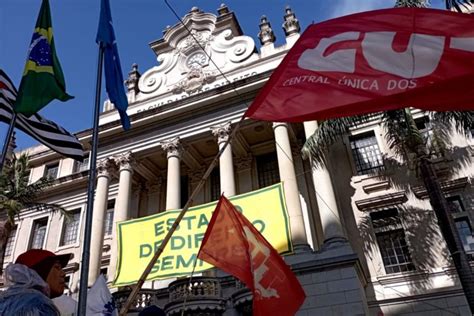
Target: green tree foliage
{"points": [[16, 195]]}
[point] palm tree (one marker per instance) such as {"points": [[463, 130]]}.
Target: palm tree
{"points": [[412, 147], [450, 4], [408, 144], [16, 195]]}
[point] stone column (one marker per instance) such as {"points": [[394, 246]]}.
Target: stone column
{"points": [[244, 171], [325, 197], [173, 182], [288, 176], [124, 163], [154, 193], [105, 167], [195, 176], [226, 165]]}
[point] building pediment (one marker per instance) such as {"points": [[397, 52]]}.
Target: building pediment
{"points": [[194, 53]]}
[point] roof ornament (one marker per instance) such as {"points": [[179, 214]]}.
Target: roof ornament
{"points": [[167, 28], [291, 25], [132, 80], [223, 9], [266, 34]]}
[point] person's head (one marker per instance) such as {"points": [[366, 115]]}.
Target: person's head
{"points": [[48, 266]]}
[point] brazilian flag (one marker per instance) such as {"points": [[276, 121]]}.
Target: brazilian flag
{"points": [[43, 78]]}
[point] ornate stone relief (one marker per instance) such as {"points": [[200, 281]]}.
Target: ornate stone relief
{"points": [[155, 77], [236, 49], [195, 40], [155, 186], [195, 175], [106, 167], [193, 81], [184, 63], [222, 132], [172, 147], [125, 161], [243, 163]]}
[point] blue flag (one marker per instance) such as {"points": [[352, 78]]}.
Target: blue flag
{"points": [[113, 71]]}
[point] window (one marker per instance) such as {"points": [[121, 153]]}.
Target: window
{"points": [[394, 251], [104, 272], [10, 242], [51, 171], [366, 153], [70, 228], [68, 284], [267, 169], [215, 184], [391, 241], [184, 190], [424, 126], [455, 204], [39, 233], [81, 166], [109, 218], [465, 234]]}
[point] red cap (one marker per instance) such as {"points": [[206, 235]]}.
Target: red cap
{"points": [[33, 257]]}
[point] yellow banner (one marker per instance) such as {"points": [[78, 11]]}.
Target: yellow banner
{"points": [[137, 238]]}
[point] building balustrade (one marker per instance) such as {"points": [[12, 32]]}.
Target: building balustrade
{"points": [[201, 295], [242, 299], [144, 299]]}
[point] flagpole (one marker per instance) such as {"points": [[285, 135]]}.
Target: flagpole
{"points": [[82, 306], [158, 252], [8, 137]]}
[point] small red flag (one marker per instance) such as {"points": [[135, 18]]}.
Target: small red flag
{"points": [[235, 246], [373, 61]]}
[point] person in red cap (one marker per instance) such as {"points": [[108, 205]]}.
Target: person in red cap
{"points": [[33, 280]]}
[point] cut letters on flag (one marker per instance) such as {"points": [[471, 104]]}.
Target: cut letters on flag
{"points": [[373, 61], [46, 132], [43, 78], [113, 71], [235, 246]]}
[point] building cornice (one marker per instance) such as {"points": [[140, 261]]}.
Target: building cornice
{"points": [[382, 201]]}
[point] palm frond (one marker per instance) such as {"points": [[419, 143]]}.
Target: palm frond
{"points": [[328, 132], [414, 138], [17, 194], [463, 120], [403, 136], [439, 139], [412, 3], [393, 122], [439, 142], [458, 5], [12, 208]]}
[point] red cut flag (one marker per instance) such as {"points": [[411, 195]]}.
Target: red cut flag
{"points": [[235, 246], [373, 61]]}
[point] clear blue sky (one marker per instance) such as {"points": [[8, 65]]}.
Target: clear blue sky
{"points": [[136, 22]]}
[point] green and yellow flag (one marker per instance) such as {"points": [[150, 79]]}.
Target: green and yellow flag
{"points": [[43, 78]]}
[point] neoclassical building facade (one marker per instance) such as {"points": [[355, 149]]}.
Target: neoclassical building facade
{"points": [[363, 244]]}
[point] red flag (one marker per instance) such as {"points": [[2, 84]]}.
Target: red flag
{"points": [[235, 246], [373, 61]]}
